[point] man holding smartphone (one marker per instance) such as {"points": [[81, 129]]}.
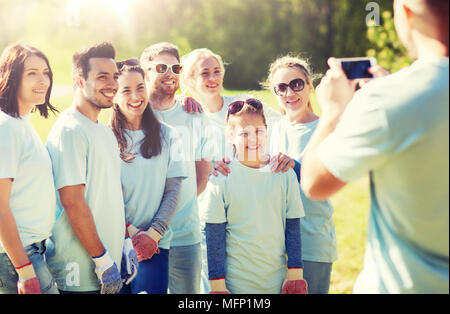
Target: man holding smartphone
{"points": [[396, 129]]}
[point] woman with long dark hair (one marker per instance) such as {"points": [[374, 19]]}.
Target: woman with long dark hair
{"points": [[27, 193], [151, 178]]}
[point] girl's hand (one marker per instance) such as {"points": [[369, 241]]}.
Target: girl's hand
{"points": [[190, 105], [294, 282], [221, 166], [295, 287], [281, 162], [218, 286]]}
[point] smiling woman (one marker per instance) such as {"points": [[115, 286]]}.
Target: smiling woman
{"points": [[27, 194]]}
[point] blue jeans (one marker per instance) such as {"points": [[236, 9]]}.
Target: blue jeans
{"points": [[9, 277], [185, 265], [205, 288], [152, 277], [318, 276]]}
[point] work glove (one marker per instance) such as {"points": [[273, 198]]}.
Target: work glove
{"points": [[108, 274], [130, 264], [146, 244], [28, 283], [295, 287]]}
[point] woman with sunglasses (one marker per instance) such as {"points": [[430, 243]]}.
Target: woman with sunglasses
{"points": [[249, 237], [151, 179], [27, 192], [290, 79]]}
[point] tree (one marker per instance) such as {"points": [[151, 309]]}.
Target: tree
{"points": [[387, 48]]}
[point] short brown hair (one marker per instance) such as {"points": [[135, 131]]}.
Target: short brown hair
{"points": [[80, 61], [155, 50]]}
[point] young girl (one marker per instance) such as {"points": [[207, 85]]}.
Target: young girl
{"points": [[290, 79], [27, 192], [253, 215], [151, 179]]}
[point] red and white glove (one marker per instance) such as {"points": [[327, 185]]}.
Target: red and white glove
{"points": [[295, 287], [145, 244], [28, 282]]}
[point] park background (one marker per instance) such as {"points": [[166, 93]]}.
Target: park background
{"points": [[248, 34]]}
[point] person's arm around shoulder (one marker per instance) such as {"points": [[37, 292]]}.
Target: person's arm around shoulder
{"points": [[202, 170], [203, 157]]}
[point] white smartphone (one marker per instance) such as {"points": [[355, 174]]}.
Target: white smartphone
{"points": [[357, 68]]}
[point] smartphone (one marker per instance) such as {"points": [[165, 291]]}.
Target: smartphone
{"points": [[358, 68]]}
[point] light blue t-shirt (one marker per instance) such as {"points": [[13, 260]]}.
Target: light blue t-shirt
{"points": [[396, 129], [24, 159], [255, 204], [188, 129], [317, 228], [144, 180], [84, 152]]}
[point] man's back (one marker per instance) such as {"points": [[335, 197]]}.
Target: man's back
{"points": [[396, 128]]}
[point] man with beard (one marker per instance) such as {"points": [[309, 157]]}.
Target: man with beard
{"points": [[161, 63], [85, 251]]}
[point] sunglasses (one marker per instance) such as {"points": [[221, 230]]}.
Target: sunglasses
{"points": [[162, 68], [237, 106], [129, 62], [296, 86]]}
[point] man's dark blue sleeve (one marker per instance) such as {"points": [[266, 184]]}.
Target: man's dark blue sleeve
{"points": [[216, 249]]}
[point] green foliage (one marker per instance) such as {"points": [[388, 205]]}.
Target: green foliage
{"points": [[249, 34], [387, 48]]}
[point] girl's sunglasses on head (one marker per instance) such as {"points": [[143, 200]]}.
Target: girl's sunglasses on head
{"points": [[162, 68], [129, 62], [237, 106], [296, 86]]}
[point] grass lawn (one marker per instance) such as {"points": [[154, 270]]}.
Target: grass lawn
{"points": [[351, 205]]}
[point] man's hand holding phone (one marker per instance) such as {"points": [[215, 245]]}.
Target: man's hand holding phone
{"points": [[338, 86], [335, 90]]}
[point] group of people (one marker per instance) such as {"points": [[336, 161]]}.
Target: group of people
{"points": [[222, 194]]}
